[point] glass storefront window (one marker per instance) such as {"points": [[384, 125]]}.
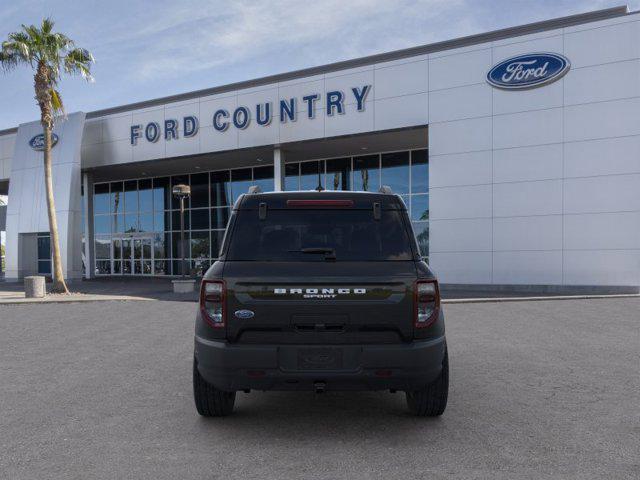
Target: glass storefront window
{"points": [[311, 174], [102, 247], [339, 174], [200, 245], [263, 178], [101, 198], [117, 190], [419, 171], [291, 176], [219, 217], [199, 190], [102, 224], [145, 195], [395, 171], [366, 173], [131, 196], [240, 182], [161, 194], [199, 219], [220, 189], [144, 213], [420, 207], [421, 230]]}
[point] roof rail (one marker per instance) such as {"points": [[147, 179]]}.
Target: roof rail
{"points": [[386, 190], [254, 189]]}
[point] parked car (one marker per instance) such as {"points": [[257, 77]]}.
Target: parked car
{"points": [[320, 291]]}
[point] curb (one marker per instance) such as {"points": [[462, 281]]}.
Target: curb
{"points": [[30, 301]]}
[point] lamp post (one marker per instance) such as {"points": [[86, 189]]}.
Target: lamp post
{"points": [[181, 192]]}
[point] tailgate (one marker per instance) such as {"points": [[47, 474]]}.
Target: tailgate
{"points": [[319, 302]]}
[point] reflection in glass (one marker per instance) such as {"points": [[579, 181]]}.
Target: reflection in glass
{"points": [[395, 171], [200, 219], [219, 217], [102, 224], [101, 198], [103, 267], [126, 267], [420, 171], [216, 242], [130, 196], [339, 174], [200, 245], [117, 223], [117, 248], [117, 268], [130, 223], [161, 194], [160, 267], [220, 188], [421, 230], [145, 222], [420, 207], [116, 197], [291, 177], [366, 173], [145, 195], [240, 182], [200, 190], [160, 241], [263, 178], [159, 224], [311, 175], [103, 247]]}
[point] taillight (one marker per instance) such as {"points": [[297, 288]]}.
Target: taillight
{"points": [[427, 302], [212, 298]]}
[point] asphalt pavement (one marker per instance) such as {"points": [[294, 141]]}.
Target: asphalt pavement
{"points": [[546, 389]]}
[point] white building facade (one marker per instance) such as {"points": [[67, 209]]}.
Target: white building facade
{"points": [[516, 151]]}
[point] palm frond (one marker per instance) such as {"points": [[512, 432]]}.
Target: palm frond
{"points": [[56, 101], [78, 61]]}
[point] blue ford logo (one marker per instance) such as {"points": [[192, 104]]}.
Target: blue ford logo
{"points": [[244, 314], [528, 71], [37, 142]]}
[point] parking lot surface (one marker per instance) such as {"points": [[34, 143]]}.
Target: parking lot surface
{"points": [[546, 389]]}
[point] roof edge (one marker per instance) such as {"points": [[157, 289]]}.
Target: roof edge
{"points": [[459, 42]]}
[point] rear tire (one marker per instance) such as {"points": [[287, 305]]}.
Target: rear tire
{"points": [[211, 402], [432, 401]]}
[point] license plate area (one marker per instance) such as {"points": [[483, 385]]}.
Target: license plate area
{"points": [[319, 358]]}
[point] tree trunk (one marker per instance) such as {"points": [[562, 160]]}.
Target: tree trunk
{"points": [[59, 285], [42, 85]]}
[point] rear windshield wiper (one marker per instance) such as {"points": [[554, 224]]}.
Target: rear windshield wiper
{"points": [[329, 253]]}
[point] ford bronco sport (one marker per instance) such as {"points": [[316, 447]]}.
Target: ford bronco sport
{"points": [[320, 291]]}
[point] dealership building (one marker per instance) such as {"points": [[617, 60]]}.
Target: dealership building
{"points": [[517, 153]]}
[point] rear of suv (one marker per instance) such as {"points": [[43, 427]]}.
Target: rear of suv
{"points": [[320, 291]]}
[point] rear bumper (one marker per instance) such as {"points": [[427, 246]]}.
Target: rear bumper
{"points": [[233, 367]]}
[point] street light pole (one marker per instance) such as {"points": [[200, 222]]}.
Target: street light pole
{"points": [[182, 192]]}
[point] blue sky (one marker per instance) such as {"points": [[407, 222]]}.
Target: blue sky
{"points": [[149, 49]]}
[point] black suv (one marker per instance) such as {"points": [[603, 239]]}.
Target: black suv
{"points": [[320, 291]]}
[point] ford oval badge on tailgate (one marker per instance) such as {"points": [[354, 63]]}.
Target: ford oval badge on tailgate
{"points": [[244, 314]]}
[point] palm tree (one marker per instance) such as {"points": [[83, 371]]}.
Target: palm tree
{"points": [[48, 54]]}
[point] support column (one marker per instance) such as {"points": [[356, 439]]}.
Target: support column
{"points": [[87, 205], [278, 170]]}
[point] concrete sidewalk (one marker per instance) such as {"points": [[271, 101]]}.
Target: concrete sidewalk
{"points": [[103, 289], [140, 289]]}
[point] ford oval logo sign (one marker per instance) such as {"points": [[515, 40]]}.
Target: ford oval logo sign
{"points": [[37, 142], [244, 314], [528, 71]]}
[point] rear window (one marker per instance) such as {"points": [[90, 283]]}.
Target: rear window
{"points": [[316, 235]]}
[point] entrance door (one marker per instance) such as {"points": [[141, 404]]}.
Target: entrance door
{"points": [[133, 255]]}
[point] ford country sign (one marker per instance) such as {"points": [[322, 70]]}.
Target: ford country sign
{"points": [[37, 142], [528, 71]]}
